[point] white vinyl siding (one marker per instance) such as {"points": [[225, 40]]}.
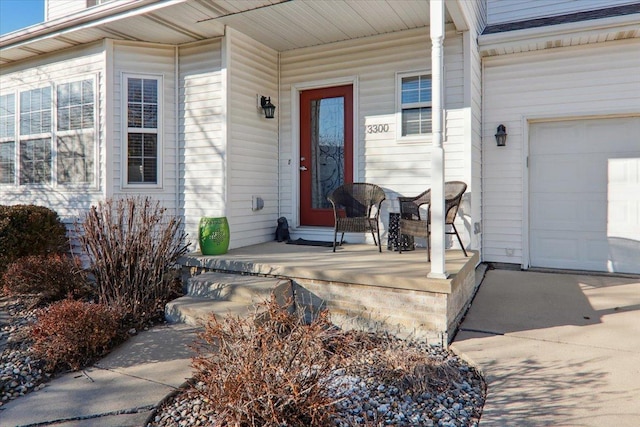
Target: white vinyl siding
{"points": [[252, 146], [202, 144], [55, 9], [401, 169], [471, 207], [552, 85], [500, 11], [148, 62], [71, 65]]}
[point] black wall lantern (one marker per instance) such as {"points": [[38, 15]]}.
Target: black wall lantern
{"points": [[501, 136], [268, 107]]}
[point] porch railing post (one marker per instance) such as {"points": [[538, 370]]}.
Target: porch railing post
{"points": [[437, 151]]}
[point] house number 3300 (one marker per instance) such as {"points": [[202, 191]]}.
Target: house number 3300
{"points": [[378, 128]]}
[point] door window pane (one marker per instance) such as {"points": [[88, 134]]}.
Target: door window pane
{"points": [[327, 149]]}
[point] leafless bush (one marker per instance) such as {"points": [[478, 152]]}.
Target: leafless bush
{"points": [[404, 364], [268, 370], [47, 278], [132, 245], [71, 334]]}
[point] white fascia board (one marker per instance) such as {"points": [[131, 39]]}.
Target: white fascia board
{"points": [[458, 17], [507, 39], [88, 18]]}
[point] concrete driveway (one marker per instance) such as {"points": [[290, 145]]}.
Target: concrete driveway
{"points": [[556, 349]]}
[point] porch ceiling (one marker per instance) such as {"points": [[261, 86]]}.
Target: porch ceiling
{"points": [[279, 24]]}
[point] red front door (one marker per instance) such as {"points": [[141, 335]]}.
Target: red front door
{"points": [[326, 150]]}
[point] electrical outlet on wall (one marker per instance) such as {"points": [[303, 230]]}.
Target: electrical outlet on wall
{"points": [[477, 228], [509, 251], [257, 203]]}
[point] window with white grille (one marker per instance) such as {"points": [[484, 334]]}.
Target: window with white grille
{"points": [[75, 135], [414, 104], [48, 134], [35, 136], [7, 138], [143, 119]]}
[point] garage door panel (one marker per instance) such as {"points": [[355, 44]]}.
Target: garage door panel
{"points": [[570, 172], [567, 211], [603, 140], [547, 137], [584, 194], [587, 251]]}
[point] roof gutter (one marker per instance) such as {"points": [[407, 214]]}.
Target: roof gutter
{"points": [[88, 18], [507, 39]]}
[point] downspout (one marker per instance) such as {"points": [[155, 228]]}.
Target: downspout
{"points": [[437, 150], [279, 181], [177, 131]]}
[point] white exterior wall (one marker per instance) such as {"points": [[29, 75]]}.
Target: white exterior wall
{"points": [[501, 11], [401, 168], [54, 9], [156, 61], [252, 139], [88, 61], [202, 143], [472, 202], [547, 85]]}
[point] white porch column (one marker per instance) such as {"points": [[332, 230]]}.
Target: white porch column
{"points": [[437, 151]]}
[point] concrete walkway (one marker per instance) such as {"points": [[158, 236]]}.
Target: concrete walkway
{"points": [[556, 349], [119, 391]]}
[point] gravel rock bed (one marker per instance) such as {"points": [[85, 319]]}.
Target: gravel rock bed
{"points": [[366, 400], [20, 373]]}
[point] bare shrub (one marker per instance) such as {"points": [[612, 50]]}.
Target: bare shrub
{"points": [[47, 278], [405, 364], [29, 230], [132, 245], [71, 334], [268, 370]]}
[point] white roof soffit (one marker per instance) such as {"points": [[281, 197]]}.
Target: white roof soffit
{"points": [[570, 34], [156, 21], [279, 24]]}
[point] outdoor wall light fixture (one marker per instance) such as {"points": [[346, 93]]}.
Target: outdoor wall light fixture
{"points": [[501, 136], [268, 107]]}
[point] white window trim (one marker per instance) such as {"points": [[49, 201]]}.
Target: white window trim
{"points": [[412, 139], [96, 132], [124, 156], [13, 138]]}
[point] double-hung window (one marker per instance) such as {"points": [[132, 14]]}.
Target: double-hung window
{"points": [[142, 104], [75, 132], [35, 136], [414, 102], [7, 138]]}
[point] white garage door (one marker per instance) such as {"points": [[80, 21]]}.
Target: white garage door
{"points": [[584, 194]]}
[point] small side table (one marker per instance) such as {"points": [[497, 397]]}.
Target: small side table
{"points": [[394, 240]]}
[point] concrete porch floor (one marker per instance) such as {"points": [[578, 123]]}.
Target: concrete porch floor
{"points": [[363, 286], [351, 263]]}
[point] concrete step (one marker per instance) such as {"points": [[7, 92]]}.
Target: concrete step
{"points": [[225, 294], [232, 287], [196, 310]]}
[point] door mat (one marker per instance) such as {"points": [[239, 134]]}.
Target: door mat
{"points": [[304, 242]]}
